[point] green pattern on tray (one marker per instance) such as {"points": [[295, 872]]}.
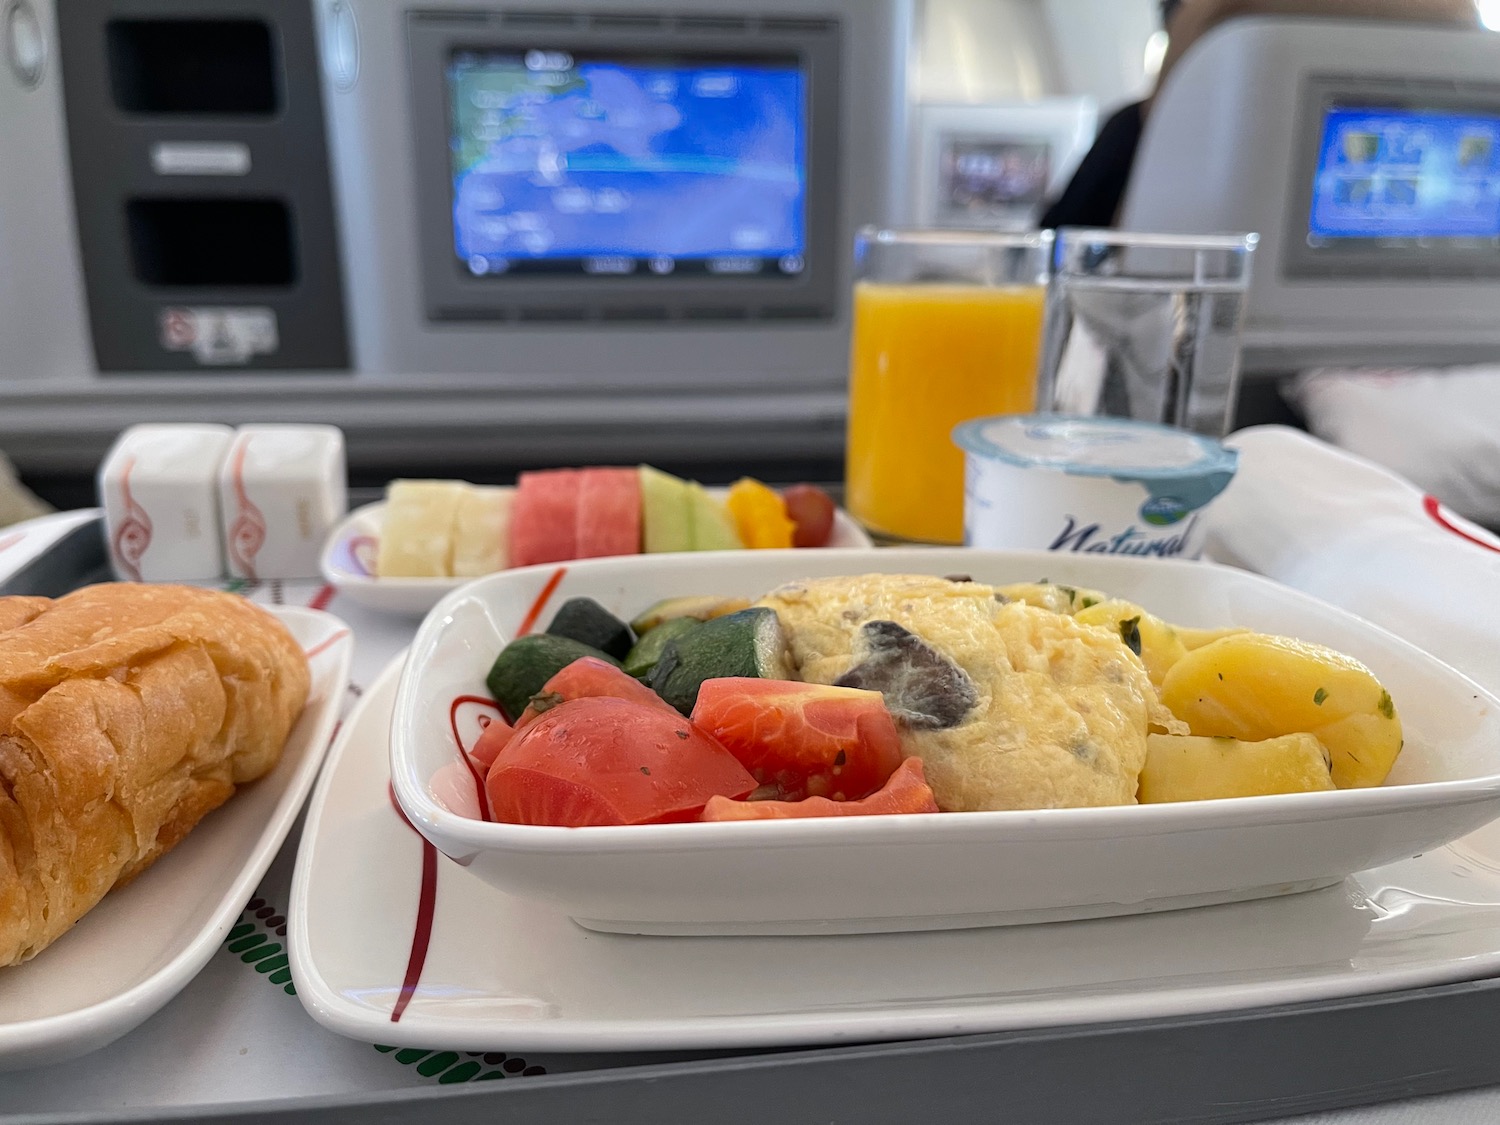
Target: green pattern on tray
{"points": [[258, 940]]}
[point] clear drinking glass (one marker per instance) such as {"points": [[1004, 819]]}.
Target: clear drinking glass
{"points": [[1146, 326], [947, 327]]}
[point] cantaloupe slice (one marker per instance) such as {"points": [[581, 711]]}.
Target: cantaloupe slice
{"points": [[712, 529], [665, 512]]}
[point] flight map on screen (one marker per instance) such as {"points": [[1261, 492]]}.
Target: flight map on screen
{"points": [[1401, 174], [621, 166]]}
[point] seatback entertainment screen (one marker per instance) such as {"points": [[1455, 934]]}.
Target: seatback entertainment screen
{"points": [[1406, 176], [575, 164]]}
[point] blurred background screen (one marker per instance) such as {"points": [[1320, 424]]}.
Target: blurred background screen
{"points": [[1395, 173], [579, 164]]}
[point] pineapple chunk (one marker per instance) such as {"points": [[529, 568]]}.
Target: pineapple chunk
{"points": [[416, 540], [1188, 768], [1253, 687], [1150, 638]]}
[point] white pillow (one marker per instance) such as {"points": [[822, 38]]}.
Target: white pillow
{"points": [[1439, 428]]}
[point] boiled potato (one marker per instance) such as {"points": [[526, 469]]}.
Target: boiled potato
{"points": [[1150, 637], [1255, 687], [1194, 639], [1188, 768]]}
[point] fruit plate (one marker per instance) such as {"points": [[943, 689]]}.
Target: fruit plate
{"points": [[139, 947], [496, 972], [348, 563], [869, 874]]}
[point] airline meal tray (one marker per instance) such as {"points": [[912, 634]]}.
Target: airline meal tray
{"points": [[1370, 992]]}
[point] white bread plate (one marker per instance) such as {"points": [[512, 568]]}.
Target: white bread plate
{"points": [[953, 870], [348, 563]]}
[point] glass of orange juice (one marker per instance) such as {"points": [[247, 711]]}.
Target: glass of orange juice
{"points": [[947, 327]]}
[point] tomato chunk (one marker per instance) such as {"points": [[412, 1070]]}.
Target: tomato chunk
{"points": [[491, 741], [905, 792], [610, 761], [809, 740], [811, 509], [588, 677]]}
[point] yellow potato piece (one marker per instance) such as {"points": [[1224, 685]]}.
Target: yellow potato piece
{"points": [[1194, 639], [1188, 768], [1160, 646], [1255, 687]]}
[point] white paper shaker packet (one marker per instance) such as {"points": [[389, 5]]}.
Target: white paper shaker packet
{"points": [[282, 490], [159, 490]]}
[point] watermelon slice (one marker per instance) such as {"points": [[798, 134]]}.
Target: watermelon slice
{"points": [[544, 520], [609, 513]]}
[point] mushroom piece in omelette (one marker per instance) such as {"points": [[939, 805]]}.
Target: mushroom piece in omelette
{"points": [[1009, 706]]}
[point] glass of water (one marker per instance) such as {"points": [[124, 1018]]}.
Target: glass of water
{"points": [[1146, 326]]}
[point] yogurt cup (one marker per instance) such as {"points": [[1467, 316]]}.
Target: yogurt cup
{"points": [[1092, 485]]}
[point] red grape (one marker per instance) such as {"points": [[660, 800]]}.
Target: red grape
{"points": [[811, 509]]}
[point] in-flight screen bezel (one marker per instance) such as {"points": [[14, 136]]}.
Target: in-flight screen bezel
{"points": [[796, 281], [1314, 249]]}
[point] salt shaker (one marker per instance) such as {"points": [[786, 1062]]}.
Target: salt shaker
{"points": [[282, 489], [158, 486]]}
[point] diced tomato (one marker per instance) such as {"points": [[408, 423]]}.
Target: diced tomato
{"points": [[905, 792], [809, 740], [588, 678], [610, 761], [491, 741], [811, 509]]}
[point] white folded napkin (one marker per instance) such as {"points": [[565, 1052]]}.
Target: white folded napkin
{"points": [[1354, 534]]}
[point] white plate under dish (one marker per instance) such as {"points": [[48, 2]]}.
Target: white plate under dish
{"points": [[348, 563], [139, 947], [503, 973], [871, 874]]}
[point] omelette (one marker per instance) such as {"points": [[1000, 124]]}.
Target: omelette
{"points": [[1009, 705]]}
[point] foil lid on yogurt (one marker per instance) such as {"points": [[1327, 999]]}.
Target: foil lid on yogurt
{"points": [[1095, 447]]}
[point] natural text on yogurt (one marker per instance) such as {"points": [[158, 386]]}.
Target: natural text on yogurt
{"points": [[1131, 541]]}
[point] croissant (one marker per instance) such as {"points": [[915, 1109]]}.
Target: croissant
{"points": [[127, 712]]}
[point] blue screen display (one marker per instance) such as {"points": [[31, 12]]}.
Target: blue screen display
{"points": [[1406, 174], [563, 164]]}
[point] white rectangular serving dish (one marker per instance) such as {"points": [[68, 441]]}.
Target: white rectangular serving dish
{"points": [[874, 874]]}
